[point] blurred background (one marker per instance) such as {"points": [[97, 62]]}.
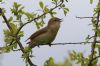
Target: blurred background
{"points": [[72, 30]]}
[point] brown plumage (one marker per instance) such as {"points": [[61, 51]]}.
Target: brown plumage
{"points": [[45, 35]]}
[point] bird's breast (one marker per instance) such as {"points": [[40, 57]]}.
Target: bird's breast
{"points": [[44, 38]]}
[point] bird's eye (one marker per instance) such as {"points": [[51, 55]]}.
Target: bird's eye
{"points": [[55, 20]]}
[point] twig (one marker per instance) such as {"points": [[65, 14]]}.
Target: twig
{"points": [[28, 22], [66, 0], [6, 21], [71, 43], [38, 17], [22, 49], [85, 17], [17, 39], [96, 57]]}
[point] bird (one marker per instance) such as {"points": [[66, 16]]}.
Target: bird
{"points": [[45, 35]]}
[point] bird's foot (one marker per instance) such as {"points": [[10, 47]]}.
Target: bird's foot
{"points": [[49, 44], [31, 56], [38, 46]]}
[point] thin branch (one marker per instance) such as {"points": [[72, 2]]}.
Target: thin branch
{"points": [[17, 39], [38, 17], [6, 21], [94, 42], [85, 17], [22, 49], [66, 0], [12, 42], [70, 43], [29, 22], [96, 57]]}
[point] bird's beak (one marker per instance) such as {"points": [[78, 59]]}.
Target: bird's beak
{"points": [[60, 20]]}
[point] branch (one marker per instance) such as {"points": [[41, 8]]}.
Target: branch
{"points": [[5, 19], [39, 17], [96, 57], [71, 43], [85, 17], [94, 42], [22, 49], [17, 39], [66, 0]]}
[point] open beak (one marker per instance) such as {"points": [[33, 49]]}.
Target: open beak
{"points": [[60, 20]]}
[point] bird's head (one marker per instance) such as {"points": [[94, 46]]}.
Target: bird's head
{"points": [[54, 20]]}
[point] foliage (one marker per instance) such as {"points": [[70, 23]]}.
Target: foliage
{"points": [[50, 62], [16, 21], [14, 33], [78, 57]]}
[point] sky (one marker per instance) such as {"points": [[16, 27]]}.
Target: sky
{"points": [[72, 30]]}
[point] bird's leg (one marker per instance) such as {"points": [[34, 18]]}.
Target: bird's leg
{"points": [[49, 44], [38, 45]]}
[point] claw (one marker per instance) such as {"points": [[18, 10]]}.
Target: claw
{"points": [[38, 46], [50, 44]]}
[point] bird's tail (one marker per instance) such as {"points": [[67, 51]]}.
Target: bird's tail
{"points": [[26, 39], [30, 45]]}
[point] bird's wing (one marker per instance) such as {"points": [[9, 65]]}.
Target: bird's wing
{"points": [[37, 33]]}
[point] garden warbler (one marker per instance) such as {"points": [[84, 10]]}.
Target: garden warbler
{"points": [[45, 35]]}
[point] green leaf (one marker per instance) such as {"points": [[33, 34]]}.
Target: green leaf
{"points": [[21, 8], [39, 24], [26, 64], [99, 50], [13, 11], [91, 1], [41, 4], [65, 10], [21, 23], [98, 47], [0, 0], [55, 1], [46, 9], [38, 27], [98, 6], [21, 34], [18, 17], [10, 19], [16, 5], [14, 45], [54, 13], [50, 62], [95, 62], [29, 15], [8, 38], [63, 5], [14, 27], [17, 10]]}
